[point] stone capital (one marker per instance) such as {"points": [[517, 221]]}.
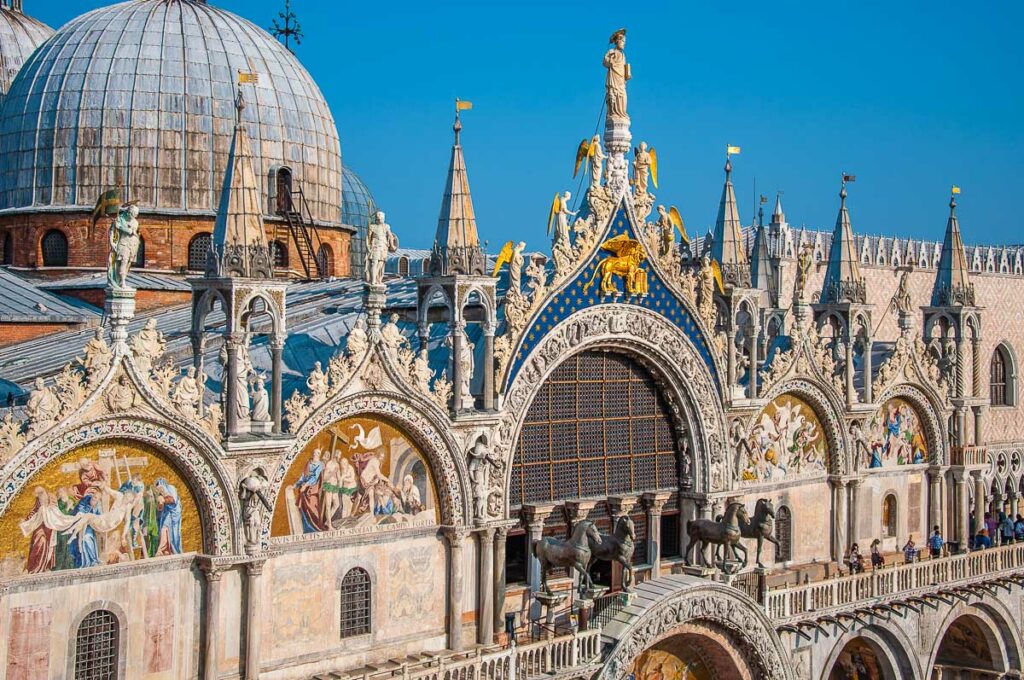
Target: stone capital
{"points": [[578, 510], [536, 513], [654, 501], [255, 568], [455, 535], [621, 505]]}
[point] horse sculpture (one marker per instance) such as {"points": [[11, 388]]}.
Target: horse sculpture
{"points": [[725, 533], [573, 554], [617, 548], [760, 526]]}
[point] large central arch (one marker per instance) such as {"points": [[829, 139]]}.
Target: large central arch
{"points": [[656, 343]]}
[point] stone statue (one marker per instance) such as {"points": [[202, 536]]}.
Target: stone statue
{"points": [[467, 365], [641, 168], [260, 399], [515, 268], [725, 532], [761, 526], [147, 346], [252, 494], [43, 408], [706, 287], [187, 396], [573, 554], [97, 356], [241, 388], [121, 396], [124, 245], [317, 384], [596, 161], [562, 214], [617, 547], [618, 73], [358, 341], [861, 445], [380, 241], [803, 269], [421, 373], [666, 232], [901, 302], [481, 460], [391, 336]]}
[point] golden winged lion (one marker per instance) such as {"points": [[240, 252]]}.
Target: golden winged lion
{"points": [[627, 255]]}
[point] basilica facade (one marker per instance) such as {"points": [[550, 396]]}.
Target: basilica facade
{"points": [[634, 453]]}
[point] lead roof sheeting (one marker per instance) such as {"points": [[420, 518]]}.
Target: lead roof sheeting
{"points": [[20, 300]]}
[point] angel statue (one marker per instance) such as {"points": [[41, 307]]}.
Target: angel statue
{"points": [[590, 151], [618, 73], [559, 216], [512, 255], [124, 245], [380, 241], [670, 221], [901, 302], [644, 161], [803, 269]]}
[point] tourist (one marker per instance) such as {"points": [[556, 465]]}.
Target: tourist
{"points": [[855, 560], [877, 559], [1018, 528], [990, 525], [935, 542], [910, 550], [1005, 528], [982, 541]]}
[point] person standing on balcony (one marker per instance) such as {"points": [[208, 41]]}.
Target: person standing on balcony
{"points": [[935, 542], [1018, 528], [1006, 528], [877, 559], [855, 560], [910, 550], [990, 525], [982, 541]]}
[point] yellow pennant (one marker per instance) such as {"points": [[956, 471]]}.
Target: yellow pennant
{"points": [[463, 106], [956, 189], [732, 150]]}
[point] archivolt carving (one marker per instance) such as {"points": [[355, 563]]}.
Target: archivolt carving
{"points": [[715, 603], [826, 405], [655, 340], [446, 463], [926, 408]]}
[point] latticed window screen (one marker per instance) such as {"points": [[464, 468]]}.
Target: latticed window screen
{"points": [[784, 534], [198, 251], [55, 249], [997, 379], [96, 647], [355, 603], [597, 426], [889, 516], [280, 253]]}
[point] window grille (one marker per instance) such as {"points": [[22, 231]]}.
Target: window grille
{"points": [[598, 426], [997, 379], [355, 603], [96, 647], [403, 266], [784, 534], [280, 254], [55, 249], [8, 249], [889, 516], [140, 256], [198, 251], [325, 259]]}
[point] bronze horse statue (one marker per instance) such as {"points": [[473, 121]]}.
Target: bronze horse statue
{"points": [[617, 548], [724, 533], [761, 526], [573, 554]]}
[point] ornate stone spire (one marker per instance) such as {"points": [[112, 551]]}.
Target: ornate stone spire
{"points": [[239, 246], [762, 273], [778, 216], [456, 244], [727, 246], [952, 284], [843, 282]]}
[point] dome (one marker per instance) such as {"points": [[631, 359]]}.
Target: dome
{"points": [[20, 35], [144, 91], [357, 205]]}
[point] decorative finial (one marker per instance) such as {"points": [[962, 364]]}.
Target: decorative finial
{"points": [[842, 192], [953, 191], [460, 106], [728, 168], [239, 105]]}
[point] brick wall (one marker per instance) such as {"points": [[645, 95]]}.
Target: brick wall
{"points": [[12, 333], [144, 299]]}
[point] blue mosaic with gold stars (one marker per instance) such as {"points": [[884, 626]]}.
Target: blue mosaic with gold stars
{"points": [[571, 299]]}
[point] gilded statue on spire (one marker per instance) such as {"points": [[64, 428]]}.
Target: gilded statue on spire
{"points": [[618, 73]]}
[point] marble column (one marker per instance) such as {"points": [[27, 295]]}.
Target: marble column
{"points": [[230, 385], [961, 426], [730, 337], [960, 389], [500, 539], [851, 393], [198, 349], [979, 500], [752, 381], [1013, 504], [962, 512], [854, 492], [276, 366], [934, 500], [654, 503], [533, 517], [211, 621], [979, 422], [869, 396], [488, 382], [485, 587], [456, 537], [254, 618], [976, 374], [457, 338], [838, 519]]}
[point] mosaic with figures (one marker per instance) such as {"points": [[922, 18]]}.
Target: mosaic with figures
{"points": [[896, 436], [585, 291], [357, 474], [785, 441], [677, 664], [106, 503]]}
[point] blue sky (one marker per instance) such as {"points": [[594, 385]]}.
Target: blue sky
{"points": [[910, 97]]}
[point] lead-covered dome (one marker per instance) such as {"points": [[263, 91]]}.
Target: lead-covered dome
{"points": [[145, 91], [20, 35]]}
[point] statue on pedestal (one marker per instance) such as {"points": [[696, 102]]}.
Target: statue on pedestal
{"points": [[617, 547], [380, 241], [252, 494], [187, 395], [618, 73], [725, 532], [803, 269], [43, 408], [124, 245], [260, 399], [481, 459], [573, 554]]}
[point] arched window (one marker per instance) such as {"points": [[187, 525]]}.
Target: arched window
{"points": [[284, 191], [8, 248], [198, 251], [355, 603], [55, 249], [280, 254], [96, 646], [325, 260], [889, 516], [140, 256], [403, 266], [784, 534], [426, 266], [1002, 380]]}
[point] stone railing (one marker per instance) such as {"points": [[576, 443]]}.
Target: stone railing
{"points": [[968, 455], [518, 662], [791, 603]]}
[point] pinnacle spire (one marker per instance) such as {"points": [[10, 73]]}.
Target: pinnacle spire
{"points": [[239, 237], [762, 273], [727, 244], [952, 283], [456, 243], [778, 216], [843, 281]]}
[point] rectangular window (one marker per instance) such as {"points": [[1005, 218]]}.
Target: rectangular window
{"points": [[670, 536]]}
